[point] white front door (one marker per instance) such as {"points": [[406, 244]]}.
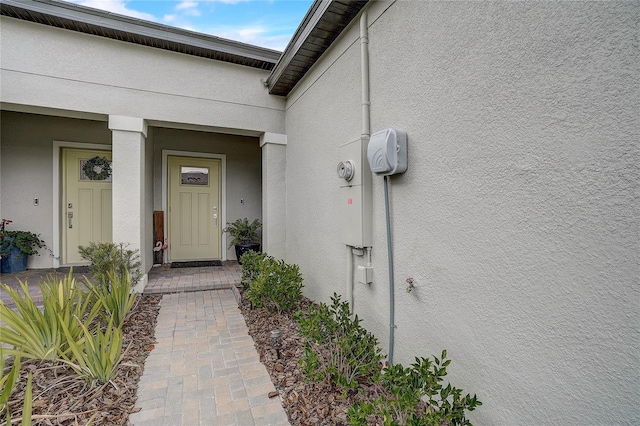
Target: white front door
{"points": [[86, 201], [194, 222]]}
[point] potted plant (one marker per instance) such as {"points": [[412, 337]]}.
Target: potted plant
{"points": [[15, 247], [244, 236]]}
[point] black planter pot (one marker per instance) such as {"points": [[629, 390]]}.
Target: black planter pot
{"points": [[241, 249]]}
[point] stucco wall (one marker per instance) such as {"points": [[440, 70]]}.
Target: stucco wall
{"points": [[56, 68], [274, 199], [517, 217], [244, 168], [27, 169]]}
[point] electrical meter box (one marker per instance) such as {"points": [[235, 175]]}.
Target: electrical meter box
{"points": [[387, 152], [355, 215]]}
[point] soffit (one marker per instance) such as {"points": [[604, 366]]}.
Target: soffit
{"points": [[323, 23], [105, 24]]}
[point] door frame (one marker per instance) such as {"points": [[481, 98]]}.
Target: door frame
{"points": [[223, 192], [57, 190]]}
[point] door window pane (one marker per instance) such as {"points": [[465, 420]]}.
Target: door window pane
{"points": [[194, 175]]}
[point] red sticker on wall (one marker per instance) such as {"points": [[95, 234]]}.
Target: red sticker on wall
{"points": [[349, 201]]}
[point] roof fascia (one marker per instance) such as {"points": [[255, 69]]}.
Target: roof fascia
{"points": [[311, 19]]}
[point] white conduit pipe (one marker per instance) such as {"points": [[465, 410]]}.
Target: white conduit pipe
{"points": [[350, 277], [392, 305], [366, 133]]}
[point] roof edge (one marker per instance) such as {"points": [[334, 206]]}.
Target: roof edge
{"points": [[318, 12], [139, 27]]}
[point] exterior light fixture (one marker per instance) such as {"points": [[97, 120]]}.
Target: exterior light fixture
{"points": [[275, 337]]}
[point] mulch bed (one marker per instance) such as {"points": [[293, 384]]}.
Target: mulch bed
{"points": [[63, 398], [60, 397], [306, 403]]}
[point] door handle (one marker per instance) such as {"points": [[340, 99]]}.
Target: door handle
{"points": [[69, 217]]}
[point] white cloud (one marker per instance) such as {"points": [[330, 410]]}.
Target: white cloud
{"points": [[169, 18], [192, 12], [187, 5], [257, 35], [116, 6], [227, 1]]}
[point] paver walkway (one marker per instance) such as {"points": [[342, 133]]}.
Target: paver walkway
{"points": [[164, 279], [205, 370]]}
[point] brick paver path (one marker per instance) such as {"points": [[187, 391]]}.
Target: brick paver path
{"points": [[205, 370]]}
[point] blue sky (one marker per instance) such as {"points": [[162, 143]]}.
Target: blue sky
{"points": [[266, 23]]}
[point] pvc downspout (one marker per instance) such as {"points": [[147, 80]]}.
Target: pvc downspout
{"points": [[364, 61], [392, 325], [366, 130]]}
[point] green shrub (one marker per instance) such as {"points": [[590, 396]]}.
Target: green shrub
{"points": [[277, 286], [105, 257], [252, 263], [38, 334], [414, 396], [337, 348]]}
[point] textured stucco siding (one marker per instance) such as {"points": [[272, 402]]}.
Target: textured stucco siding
{"points": [[56, 68], [244, 168], [322, 114], [518, 215], [274, 199], [27, 169]]}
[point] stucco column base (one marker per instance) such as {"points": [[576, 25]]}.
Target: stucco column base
{"points": [[129, 219], [274, 194]]}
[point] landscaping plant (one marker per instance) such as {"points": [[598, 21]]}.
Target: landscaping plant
{"points": [[337, 348], [96, 356], [105, 257], [27, 242], [7, 381], [415, 396], [38, 334], [277, 285], [114, 294], [252, 264], [242, 231]]}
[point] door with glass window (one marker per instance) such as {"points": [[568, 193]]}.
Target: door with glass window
{"points": [[194, 216], [86, 214]]}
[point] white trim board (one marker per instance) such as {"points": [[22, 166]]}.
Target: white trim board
{"points": [[223, 184]]}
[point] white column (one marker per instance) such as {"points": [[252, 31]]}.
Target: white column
{"points": [[129, 216], [274, 194]]}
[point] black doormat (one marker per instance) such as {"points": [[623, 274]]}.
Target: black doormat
{"points": [[76, 269], [196, 264]]}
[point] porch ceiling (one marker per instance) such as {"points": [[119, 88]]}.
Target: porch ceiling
{"points": [[105, 24]]}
